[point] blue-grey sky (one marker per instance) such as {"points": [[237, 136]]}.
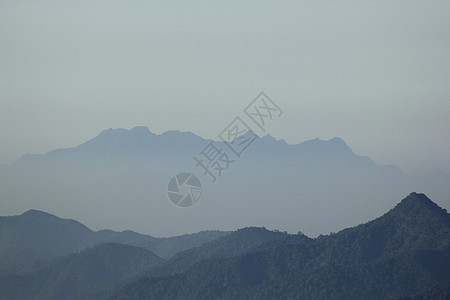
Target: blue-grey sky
{"points": [[375, 73]]}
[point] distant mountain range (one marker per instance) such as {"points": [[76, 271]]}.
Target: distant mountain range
{"points": [[315, 186], [402, 255]]}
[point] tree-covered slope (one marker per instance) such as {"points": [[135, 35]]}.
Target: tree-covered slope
{"points": [[231, 245], [401, 253], [90, 274]]}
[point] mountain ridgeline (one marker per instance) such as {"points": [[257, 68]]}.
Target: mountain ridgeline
{"points": [[404, 254], [31, 240], [90, 274], [96, 272], [316, 186]]}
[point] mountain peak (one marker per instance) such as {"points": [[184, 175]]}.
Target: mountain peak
{"points": [[143, 129], [175, 133], [335, 145], [417, 200], [138, 130], [33, 216], [419, 206], [337, 140], [34, 213]]}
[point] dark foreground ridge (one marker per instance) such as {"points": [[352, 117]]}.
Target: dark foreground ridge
{"points": [[404, 254]]}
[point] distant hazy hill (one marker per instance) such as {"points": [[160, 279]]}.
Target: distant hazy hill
{"points": [[404, 252], [32, 239], [122, 145], [139, 145], [316, 186], [90, 274]]}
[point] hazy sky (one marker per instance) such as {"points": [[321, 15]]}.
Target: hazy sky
{"points": [[375, 73]]}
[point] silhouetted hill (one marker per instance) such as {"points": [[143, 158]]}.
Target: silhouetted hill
{"points": [[30, 240], [415, 223], [131, 169], [95, 272], [230, 245], [404, 252], [163, 247], [40, 232], [121, 145], [90, 274]]}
